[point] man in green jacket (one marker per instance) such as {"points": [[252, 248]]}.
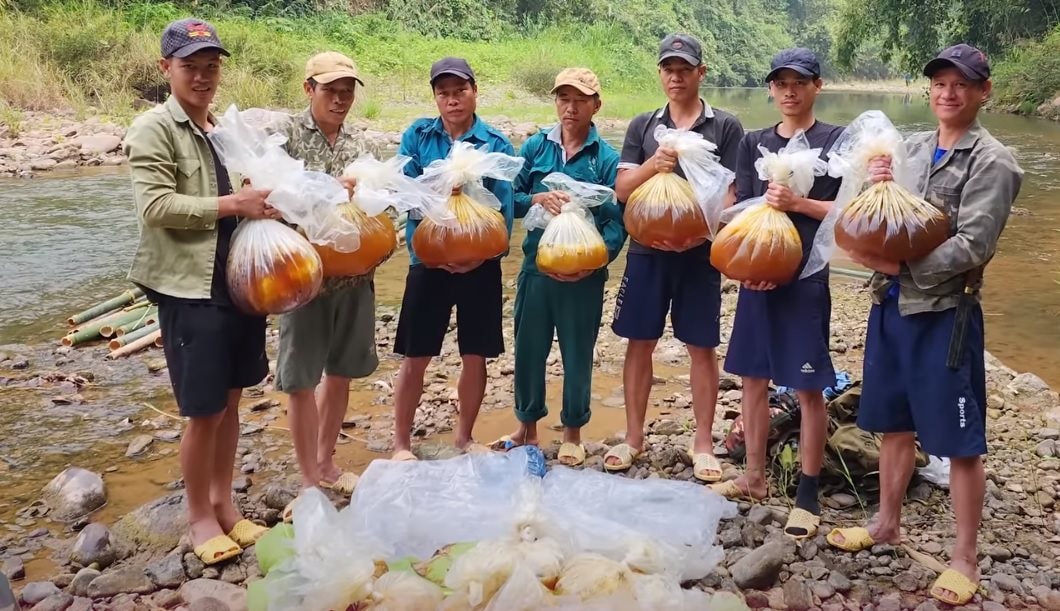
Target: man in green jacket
{"points": [[569, 306], [187, 213]]}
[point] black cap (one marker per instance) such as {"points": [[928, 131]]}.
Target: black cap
{"points": [[186, 36], [803, 61], [970, 61], [681, 46], [452, 65]]}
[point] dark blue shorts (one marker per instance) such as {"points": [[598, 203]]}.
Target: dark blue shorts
{"points": [[782, 335], [684, 284], [908, 386]]}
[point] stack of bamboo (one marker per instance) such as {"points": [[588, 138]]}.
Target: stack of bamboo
{"points": [[129, 321]]}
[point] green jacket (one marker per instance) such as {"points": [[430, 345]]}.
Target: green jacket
{"points": [[175, 192], [596, 163]]}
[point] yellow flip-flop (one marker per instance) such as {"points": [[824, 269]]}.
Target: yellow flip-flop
{"points": [[705, 467], [732, 491], [802, 520], [855, 539], [246, 533], [217, 549], [625, 453], [573, 452], [344, 485], [955, 583]]}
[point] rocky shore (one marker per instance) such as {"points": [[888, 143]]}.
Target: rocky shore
{"points": [[142, 560]]}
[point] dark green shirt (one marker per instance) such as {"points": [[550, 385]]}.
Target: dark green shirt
{"points": [[596, 163]]}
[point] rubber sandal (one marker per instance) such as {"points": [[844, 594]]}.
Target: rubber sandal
{"points": [[344, 485], [504, 443], [705, 467], [403, 456], [246, 533], [801, 520], [218, 549], [625, 453], [732, 491], [574, 452], [953, 582], [855, 539]]}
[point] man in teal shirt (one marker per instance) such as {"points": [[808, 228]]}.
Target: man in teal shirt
{"points": [[570, 306], [431, 293]]}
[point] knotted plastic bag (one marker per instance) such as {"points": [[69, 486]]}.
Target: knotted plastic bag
{"points": [[760, 243], [668, 208], [403, 591], [472, 228], [889, 219], [570, 243]]}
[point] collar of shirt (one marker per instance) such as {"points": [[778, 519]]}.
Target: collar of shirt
{"points": [[479, 131], [967, 142], [556, 135], [663, 114], [307, 120], [180, 116]]}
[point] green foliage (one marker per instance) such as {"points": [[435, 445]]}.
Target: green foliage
{"points": [[1030, 74], [536, 72]]}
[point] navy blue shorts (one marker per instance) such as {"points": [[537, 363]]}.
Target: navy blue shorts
{"points": [[908, 387], [684, 284], [782, 335]]}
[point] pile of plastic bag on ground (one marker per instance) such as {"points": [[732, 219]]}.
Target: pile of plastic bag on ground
{"points": [[481, 533], [470, 227], [888, 219], [570, 243], [668, 209], [760, 243]]}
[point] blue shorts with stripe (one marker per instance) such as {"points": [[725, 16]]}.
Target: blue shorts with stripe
{"points": [[782, 335], [909, 388]]}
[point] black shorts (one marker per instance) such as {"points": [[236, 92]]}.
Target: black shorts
{"points": [[210, 349], [427, 305]]}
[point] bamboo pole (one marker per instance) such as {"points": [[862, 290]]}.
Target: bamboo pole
{"points": [[108, 329], [107, 306], [95, 322], [148, 318], [132, 336], [136, 346]]}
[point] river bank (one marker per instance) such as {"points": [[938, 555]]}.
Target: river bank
{"points": [[135, 540]]}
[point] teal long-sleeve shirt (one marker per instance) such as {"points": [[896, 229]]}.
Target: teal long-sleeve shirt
{"points": [[426, 141], [596, 163]]}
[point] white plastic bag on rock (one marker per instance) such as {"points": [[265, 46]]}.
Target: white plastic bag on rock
{"points": [[590, 576], [522, 592], [634, 521], [418, 507], [570, 243], [404, 591]]}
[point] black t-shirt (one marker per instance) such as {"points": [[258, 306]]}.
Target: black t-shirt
{"points": [[825, 188]]}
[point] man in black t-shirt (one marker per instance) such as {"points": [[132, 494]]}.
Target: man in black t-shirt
{"points": [[781, 333]]}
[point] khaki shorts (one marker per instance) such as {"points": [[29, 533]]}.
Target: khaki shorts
{"points": [[333, 334]]}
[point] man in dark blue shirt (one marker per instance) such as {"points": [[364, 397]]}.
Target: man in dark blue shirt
{"points": [[781, 333]]}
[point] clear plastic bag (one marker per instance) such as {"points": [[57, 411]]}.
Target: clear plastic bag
{"points": [[570, 243], [589, 576], [888, 219], [271, 269], [470, 227], [668, 208], [759, 243], [404, 591], [522, 592]]}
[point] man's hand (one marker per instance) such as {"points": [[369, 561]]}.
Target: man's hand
{"points": [[782, 198], [249, 203], [462, 268], [571, 277], [350, 183], [551, 200], [664, 159], [880, 169], [759, 286], [878, 264], [671, 246]]}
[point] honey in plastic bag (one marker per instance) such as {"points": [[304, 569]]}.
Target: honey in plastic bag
{"points": [[570, 243], [888, 221], [271, 268], [378, 241]]}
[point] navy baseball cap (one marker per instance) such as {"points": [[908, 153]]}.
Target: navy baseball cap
{"points": [[454, 66], [681, 46], [970, 61], [803, 61], [186, 36]]}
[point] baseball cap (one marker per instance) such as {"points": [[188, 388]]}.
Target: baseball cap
{"points": [[803, 61], [681, 46], [331, 66], [581, 79], [183, 37], [970, 61], [452, 65]]}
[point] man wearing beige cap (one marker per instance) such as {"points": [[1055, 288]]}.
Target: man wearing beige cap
{"points": [[334, 334], [569, 306]]}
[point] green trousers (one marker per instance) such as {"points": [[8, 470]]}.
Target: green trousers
{"points": [[571, 310]]}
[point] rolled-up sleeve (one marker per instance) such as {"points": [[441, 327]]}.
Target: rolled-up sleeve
{"points": [[986, 201], [153, 167]]}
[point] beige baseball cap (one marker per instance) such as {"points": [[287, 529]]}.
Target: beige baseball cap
{"points": [[581, 79], [331, 66]]}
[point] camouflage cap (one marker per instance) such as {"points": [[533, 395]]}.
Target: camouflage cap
{"points": [[184, 37], [581, 79]]}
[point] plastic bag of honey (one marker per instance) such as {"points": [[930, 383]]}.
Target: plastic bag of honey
{"points": [[669, 208], [760, 243], [570, 243], [888, 219], [271, 268], [469, 227]]}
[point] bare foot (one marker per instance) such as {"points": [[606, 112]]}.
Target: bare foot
{"points": [[227, 516], [969, 569], [523, 436], [202, 531], [755, 488], [329, 473]]}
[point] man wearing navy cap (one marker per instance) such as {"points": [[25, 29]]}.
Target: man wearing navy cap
{"points": [[924, 372], [781, 333]]}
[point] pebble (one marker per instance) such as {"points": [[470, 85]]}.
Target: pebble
{"points": [[127, 580], [797, 595], [760, 568], [840, 582], [139, 445], [13, 567], [36, 591], [79, 586], [55, 602]]}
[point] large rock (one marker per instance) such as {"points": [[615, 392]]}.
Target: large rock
{"points": [[156, 526], [13, 567], [55, 602], [98, 144], [84, 577], [759, 569], [74, 493], [127, 580], [1028, 384], [167, 572], [36, 591], [93, 545], [233, 596], [797, 595]]}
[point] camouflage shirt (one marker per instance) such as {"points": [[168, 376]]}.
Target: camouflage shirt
{"points": [[307, 142], [975, 183]]}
